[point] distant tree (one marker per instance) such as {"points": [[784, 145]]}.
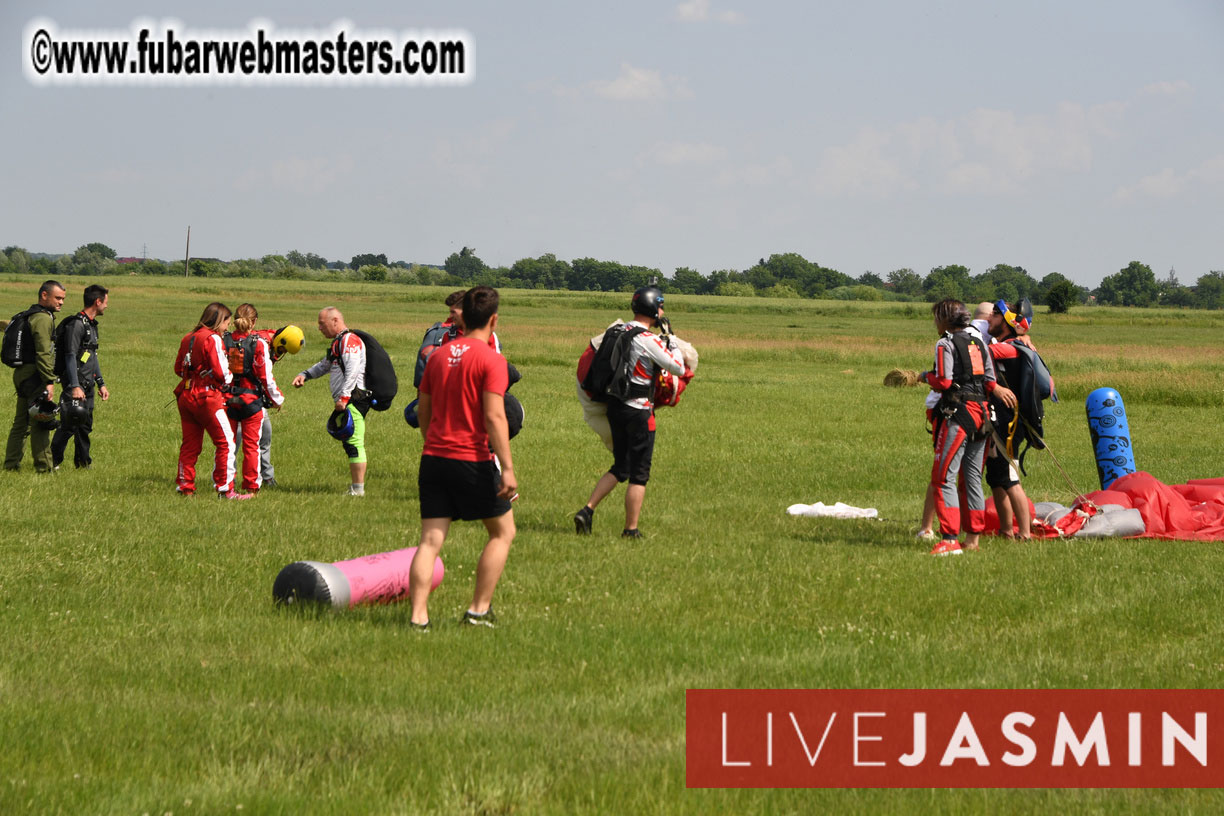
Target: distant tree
{"points": [[905, 282], [779, 290], [687, 281], [296, 258], [464, 264], [1061, 296], [946, 282], [373, 272], [101, 250], [735, 289], [368, 259], [1133, 286], [871, 279], [1209, 291]]}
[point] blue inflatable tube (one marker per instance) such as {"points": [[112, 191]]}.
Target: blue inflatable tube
{"points": [[1110, 432]]}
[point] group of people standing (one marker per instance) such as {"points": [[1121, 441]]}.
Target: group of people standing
{"points": [[68, 353], [967, 408]]}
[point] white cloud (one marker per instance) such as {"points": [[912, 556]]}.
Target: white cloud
{"points": [[298, 174], [678, 153], [866, 167], [1177, 88], [1169, 184], [699, 11], [637, 84], [756, 174]]}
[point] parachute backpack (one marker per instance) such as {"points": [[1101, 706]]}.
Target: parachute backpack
{"points": [[435, 336], [240, 355], [608, 377], [380, 379], [1033, 388], [61, 345], [18, 347]]}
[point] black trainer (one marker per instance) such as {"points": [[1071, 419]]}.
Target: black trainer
{"points": [[634, 533], [427, 626], [488, 619], [582, 520]]}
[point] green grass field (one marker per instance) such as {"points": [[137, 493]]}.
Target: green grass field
{"points": [[146, 670]]}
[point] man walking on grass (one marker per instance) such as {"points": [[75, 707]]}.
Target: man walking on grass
{"points": [[632, 419], [34, 380], [462, 415]]}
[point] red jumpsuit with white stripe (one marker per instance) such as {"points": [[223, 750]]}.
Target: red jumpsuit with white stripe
{"points": [[954, 447], [252, 426], [202, 364]]}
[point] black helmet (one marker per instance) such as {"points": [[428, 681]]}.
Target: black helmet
{"points": [[75, 413], [647, 300]]}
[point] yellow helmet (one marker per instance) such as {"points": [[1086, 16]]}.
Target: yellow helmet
{"points": [[289, 339]]}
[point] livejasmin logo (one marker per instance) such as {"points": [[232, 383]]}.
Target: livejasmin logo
{"points": [[953, 738]]}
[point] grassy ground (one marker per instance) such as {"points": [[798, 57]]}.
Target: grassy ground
{"points": [[145, 668]]}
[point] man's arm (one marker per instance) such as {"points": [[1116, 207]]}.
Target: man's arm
{"points": [[424, 414], [315, 371], [72, 356], [654, 348], [499, 438], [41, 328]]}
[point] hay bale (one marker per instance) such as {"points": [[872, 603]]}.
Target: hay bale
{"points": [[901, 377]]}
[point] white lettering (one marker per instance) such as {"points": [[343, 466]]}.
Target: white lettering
{"points": [[916, 756], [1134, 746], [813, 757], [726, 762], [769, 739], [1028, 748], [1171, 731], [1065, 737], [964, 744], [858, 739]]}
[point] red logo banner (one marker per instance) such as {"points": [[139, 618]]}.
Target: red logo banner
{"points": [[955, 738]]}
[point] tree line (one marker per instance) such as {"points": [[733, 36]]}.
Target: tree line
{"points": [[785, 275]]}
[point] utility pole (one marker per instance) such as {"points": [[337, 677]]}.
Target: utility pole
{"points": [[186, 271]]}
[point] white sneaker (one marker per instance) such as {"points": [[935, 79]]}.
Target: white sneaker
{"points": [[925, 535]]}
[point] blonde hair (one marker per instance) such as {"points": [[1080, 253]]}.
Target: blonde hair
{"points": [[245, 317]]}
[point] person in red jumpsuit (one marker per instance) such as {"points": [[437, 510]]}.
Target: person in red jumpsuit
{"points": [[253, 386], [201, 364]]}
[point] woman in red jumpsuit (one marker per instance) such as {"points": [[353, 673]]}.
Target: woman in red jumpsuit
{"points": [[202, 365]]}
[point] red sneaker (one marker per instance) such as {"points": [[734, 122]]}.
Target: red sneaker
{"points": [[232, 496], [947, 546]]}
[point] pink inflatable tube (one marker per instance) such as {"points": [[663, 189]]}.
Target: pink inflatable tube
{"points": [[378, 578]]}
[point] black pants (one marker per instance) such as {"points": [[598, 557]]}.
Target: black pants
{"points": [[632, 443], [80, 433]]}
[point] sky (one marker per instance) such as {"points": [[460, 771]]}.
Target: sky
{"points": [[865, 135]]}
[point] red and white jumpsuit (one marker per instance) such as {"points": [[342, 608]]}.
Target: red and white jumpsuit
{"points": [[957, 450], [261, 381], [202, 365]]}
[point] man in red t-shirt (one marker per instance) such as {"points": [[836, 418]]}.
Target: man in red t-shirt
{"points": [[462, 414]]}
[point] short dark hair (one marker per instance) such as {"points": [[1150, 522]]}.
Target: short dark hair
{"points": [[479, 305], [94, 293], [951, 312], [455, 297], [50, 286]]}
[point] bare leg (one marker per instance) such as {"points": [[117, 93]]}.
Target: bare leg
{"points": [[420, 576], [928, 510], [357, 470], [602, 488], [634, 496], [1020, 506], [492, 560], [1004, 508]]}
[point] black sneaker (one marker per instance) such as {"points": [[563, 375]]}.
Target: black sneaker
{"points": [[270, 482], [488, 619], [634, 533], [582, 520], [427, 626]]}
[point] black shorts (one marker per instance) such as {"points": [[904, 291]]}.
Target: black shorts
{"points": [[632, 443], [455, 489], [1000, 473]]}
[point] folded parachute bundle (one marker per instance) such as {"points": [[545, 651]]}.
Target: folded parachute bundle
{"points": [[1139, 504]]}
